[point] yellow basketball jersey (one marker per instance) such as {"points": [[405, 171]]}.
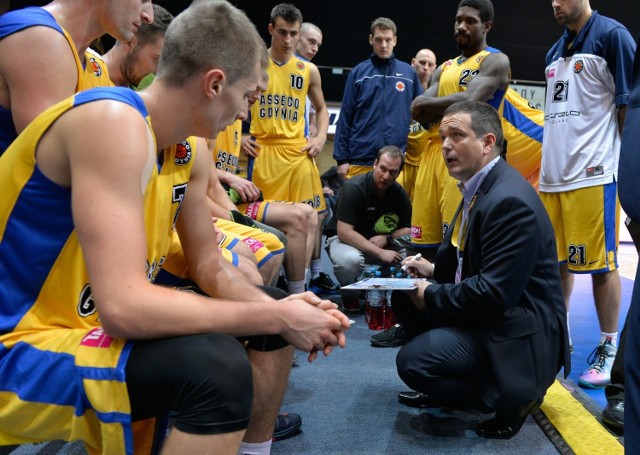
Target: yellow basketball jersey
{"points": [[279, 113], [50, 322], [96, 73], [226, 151], [416, 144]]}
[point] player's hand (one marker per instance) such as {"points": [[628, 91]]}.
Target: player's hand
{"points": [[315, 325], [247, 190], [420, 111], [343, 170], [249, 146], [314, 145]]}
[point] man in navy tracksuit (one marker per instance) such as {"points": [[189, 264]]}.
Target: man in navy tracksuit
{"points": [[375, 109]]}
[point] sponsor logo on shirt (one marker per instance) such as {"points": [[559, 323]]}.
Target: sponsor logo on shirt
{"points": [[96, 338]]}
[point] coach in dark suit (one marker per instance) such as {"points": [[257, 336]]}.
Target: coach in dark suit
{"points": [[490, 333]]}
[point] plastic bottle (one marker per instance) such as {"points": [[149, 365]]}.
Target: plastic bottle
{"points": [[374, 306], [388, 317], [369, 272]]}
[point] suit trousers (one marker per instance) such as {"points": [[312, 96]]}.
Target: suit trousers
{"points": [[441, 362]]}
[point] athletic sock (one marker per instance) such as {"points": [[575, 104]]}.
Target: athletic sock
{"points": [[296, 287], [257, 448], [613, 336], [316, 268]]}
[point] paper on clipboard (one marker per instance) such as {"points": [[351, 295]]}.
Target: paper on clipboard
{"points": [[384, 283]]}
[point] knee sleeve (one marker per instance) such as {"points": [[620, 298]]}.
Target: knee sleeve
{"points": [[268, 343], [205, 379]]}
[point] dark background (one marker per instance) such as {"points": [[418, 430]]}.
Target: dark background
{"points": [[523, 29]]}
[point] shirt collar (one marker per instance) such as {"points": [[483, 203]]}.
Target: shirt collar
{"points": [[470, 188]]}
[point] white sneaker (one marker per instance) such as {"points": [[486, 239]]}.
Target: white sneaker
{"points": [[600, 361]]}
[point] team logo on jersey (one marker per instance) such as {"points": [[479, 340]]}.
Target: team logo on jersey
{"points": [[86, 305], [578, 66], [300, 66], [400, 86], [183, 153], [97, 70], [551, 73]]}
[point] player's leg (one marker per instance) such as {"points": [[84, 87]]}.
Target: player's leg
{"points": [[174, 374], [271, 360], [292, 220], [594, 250]]}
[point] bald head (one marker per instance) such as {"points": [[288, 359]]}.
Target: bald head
{"points": [[310, 40], [425, 64]]}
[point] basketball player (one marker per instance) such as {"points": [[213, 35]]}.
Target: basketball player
{"points": [[52, 34], [107, 215]]}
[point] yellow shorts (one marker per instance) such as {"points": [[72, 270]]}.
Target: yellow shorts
{"points": [[258, 210], [264, 245], [586, 224], [435, 199], [355, 169], [407, 178], [284, 173], [73, 380]]}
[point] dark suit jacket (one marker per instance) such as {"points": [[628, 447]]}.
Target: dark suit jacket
{"points": [[510, 290]]}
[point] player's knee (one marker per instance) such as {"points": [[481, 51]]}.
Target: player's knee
{"points": [[297, 222], [216, 388], [249, 270]]}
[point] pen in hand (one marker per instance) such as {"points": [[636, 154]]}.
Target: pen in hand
{"points": [[411, 261]]}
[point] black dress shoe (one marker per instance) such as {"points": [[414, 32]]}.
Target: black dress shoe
{"points": [[613, 415], [415, 399], [507, 423]]}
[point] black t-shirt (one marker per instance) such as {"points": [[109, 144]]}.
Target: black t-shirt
{"points": [[360, 207]]}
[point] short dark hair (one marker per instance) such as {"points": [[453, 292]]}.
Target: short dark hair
{"points": [[484, 7], [210, 34], [484, 119], [148, 33], [288, 12], [393, 152], [384, 23]]}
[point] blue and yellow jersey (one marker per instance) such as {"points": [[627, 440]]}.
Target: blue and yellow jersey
{"points": [[522, 123], [49, 319], [280, 111], [523, 126], [12, 22]]}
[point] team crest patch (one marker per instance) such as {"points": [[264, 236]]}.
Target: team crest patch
{"points": [[551, 73], [95, 66], [578, 66], [400, 86], [300, 66], [183, 153]]}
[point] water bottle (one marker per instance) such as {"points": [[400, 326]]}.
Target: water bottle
{"points": [[388, 317], [374, 306], [369, 272]]}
